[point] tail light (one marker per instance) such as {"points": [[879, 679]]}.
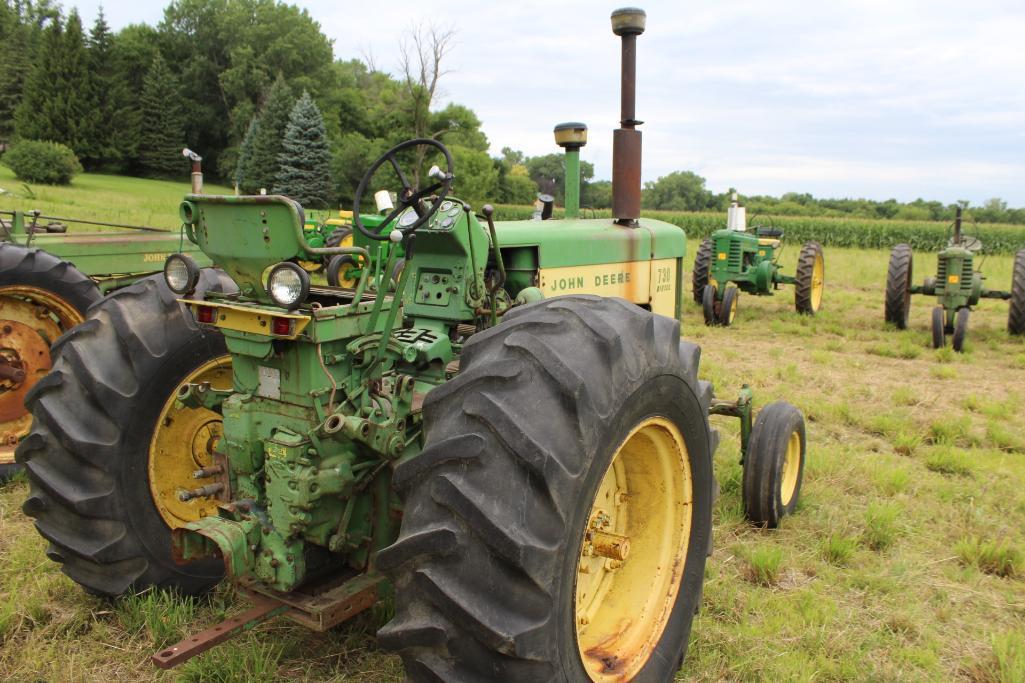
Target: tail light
{"points": [[282, 326], [206, 314]]}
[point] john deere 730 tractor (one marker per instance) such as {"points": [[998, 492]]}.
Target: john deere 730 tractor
{"points": [[733, 260], [957, 285], [530, 473]]}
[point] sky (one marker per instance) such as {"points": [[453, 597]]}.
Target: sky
{"points": [[839, 98]]}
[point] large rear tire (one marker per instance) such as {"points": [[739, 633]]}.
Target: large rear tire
{"points": [[1016, 314], [898, 286], [702, 269], [811, 279], [497, 568], [104, 418], [41, 298]]}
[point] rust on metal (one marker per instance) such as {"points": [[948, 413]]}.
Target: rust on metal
{"points": [[263, 608], [321, 606], [612, 546], [626, 140]]}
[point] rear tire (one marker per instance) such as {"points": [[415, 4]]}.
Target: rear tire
{"points": [[708, 305], [811, 279], [1016, 314], [774, 464], [486, 564], [939, 338], [898, 286], [31, 279], [960, 329], [702, 269], [95, 414]]}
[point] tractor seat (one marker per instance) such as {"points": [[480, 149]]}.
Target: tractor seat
{"points": [[768, 231]]}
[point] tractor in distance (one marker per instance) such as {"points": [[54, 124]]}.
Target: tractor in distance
{"points": [[529, 474], [733, 260], [49, 277], [957, 285]]}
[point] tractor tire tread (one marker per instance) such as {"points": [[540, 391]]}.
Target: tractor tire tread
{"points": [[898, 279], [75, 450], [1016, 313], [31, 266], [702, 269], [518, 413], [805, 272]]}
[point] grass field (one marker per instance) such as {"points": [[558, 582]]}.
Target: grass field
{"points": [[905, 560]]}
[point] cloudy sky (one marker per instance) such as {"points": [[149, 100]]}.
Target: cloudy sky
{"points": [[841, 98]]}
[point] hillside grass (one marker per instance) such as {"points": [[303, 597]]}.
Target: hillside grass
{"points": [[905, 560], [102, 198]]}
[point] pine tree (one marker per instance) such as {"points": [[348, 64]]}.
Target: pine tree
{"points": [[55, 101], [263, 163], [245, 153], [162, 133], [109, 100], [17, 38], [305, 159]]}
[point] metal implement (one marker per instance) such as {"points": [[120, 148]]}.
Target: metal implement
{"points": [[957, 285]]}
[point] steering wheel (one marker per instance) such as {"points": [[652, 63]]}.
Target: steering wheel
{"points": [[409, 196]]}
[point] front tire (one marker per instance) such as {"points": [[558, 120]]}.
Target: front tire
{"points": [[960, 329], [98, 417], [708, 305], [492, 567], [898, 286], [811, 279], [774, 464], [939, 337], [728, 306]]}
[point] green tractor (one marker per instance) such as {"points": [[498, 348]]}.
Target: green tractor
{"points": [[529, 474], [49, 278], [733, 260], [957, 285]]}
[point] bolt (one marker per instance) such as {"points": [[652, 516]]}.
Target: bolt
{"points": [[584, 621], [7, 329]]}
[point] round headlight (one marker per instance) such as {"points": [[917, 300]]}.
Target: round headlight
{"points": [[288, 285], [181, 273]]}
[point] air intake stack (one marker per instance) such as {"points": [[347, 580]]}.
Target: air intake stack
{"points": [[627, 23], [571, 137]]}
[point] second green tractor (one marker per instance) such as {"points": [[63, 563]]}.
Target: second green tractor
{"points": [[734, 260]]}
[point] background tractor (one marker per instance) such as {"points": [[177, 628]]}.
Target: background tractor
{"points": [[530, 473], [957, 285], [733, 260]]}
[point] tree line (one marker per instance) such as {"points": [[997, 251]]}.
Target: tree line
{"points": [[226, 78]]}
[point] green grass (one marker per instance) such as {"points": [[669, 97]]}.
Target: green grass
{"points": [[904, 560], [103, 198]]}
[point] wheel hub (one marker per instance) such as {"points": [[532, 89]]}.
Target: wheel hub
{"points": [[633, 552], [24, 359]]}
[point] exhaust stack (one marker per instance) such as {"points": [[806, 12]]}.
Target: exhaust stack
{"points": [[627, 23], [571, 137], [197, 170]]}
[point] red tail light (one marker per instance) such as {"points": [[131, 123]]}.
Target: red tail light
{"points": [[206, 314], [282, 326]]}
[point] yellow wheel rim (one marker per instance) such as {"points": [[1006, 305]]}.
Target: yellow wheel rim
{"points": [[733, 309], [633, 552], [31, 319], [818, 279], [791, 469], [182, 443]]}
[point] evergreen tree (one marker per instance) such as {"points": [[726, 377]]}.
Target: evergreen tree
{"points": [[106, 126], [17, 37], [263, 163], [245, 153], [55, 104], [162, 131], [305, 159]]}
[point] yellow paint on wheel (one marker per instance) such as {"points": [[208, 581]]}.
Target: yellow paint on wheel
{"points": [[346, 273], [641, 513], [791, 469], [31, 319], [183, 441], [818, 278]]}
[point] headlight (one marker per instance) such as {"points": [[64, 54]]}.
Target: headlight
{"points": [[288, 285], [181, 273]]}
